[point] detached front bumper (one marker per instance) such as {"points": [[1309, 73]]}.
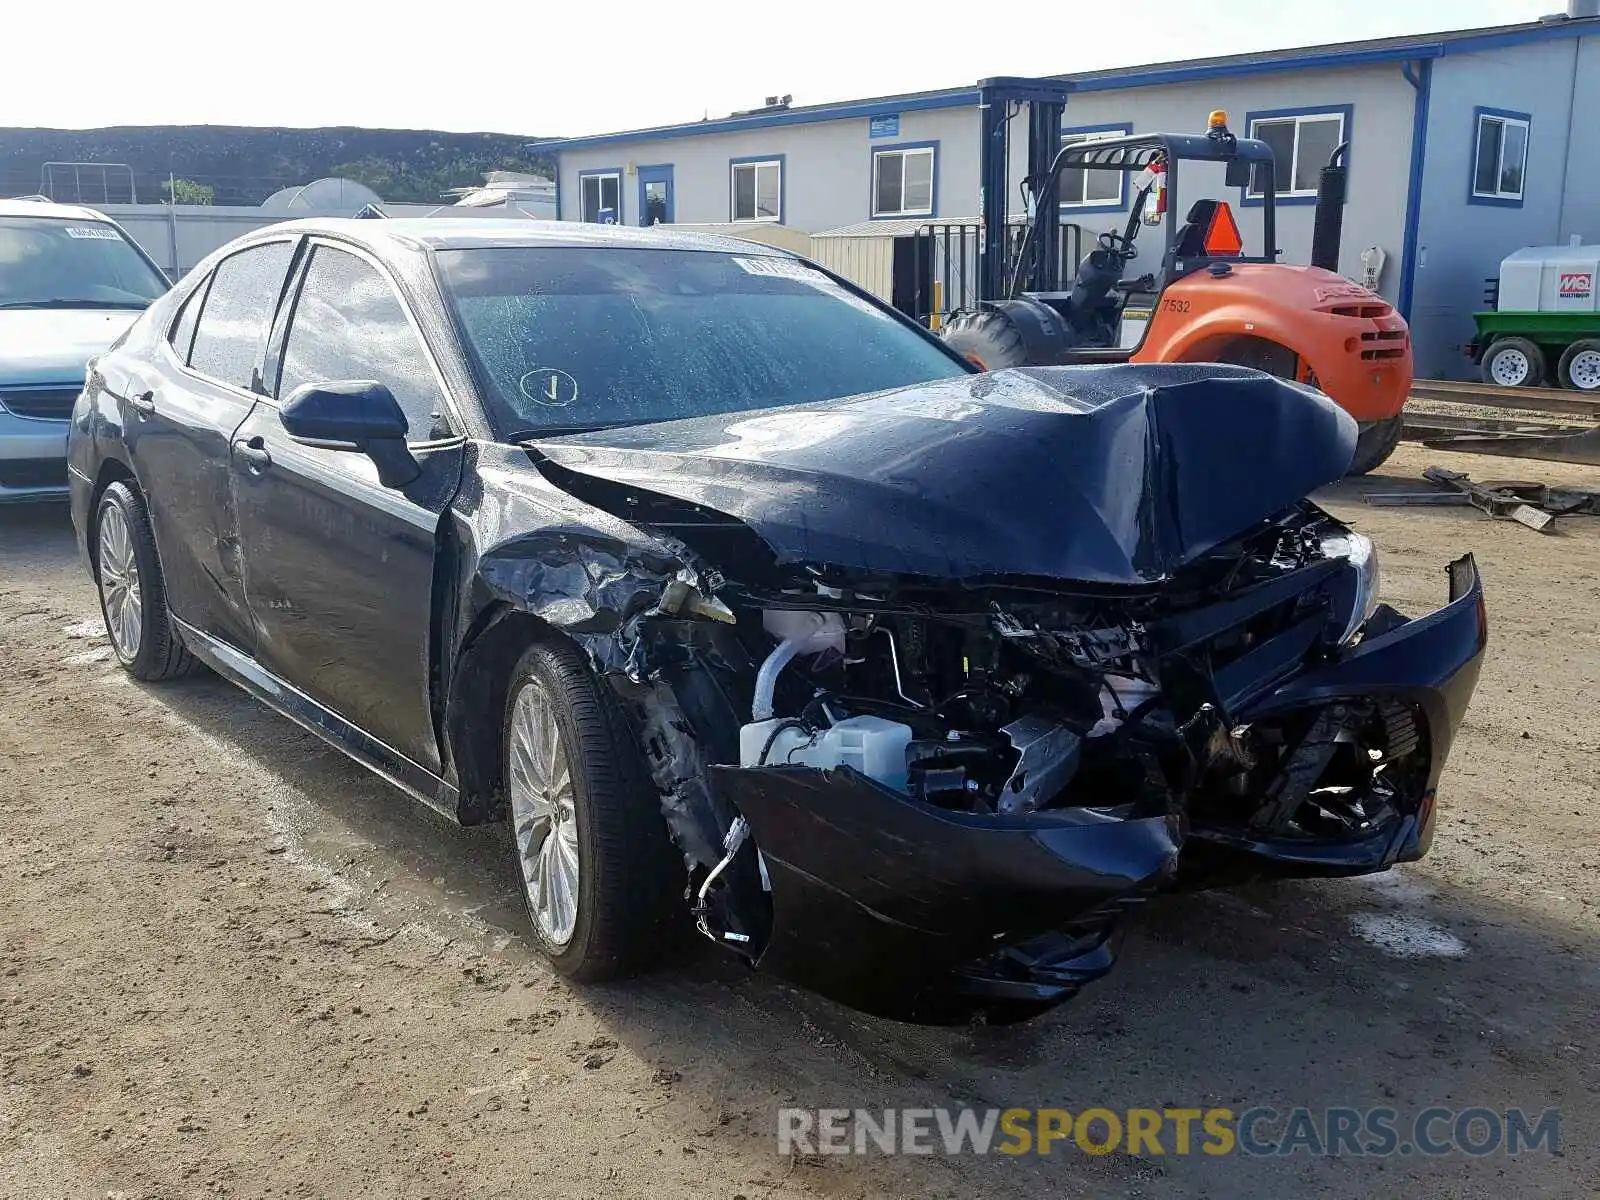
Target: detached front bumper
{"points": [[899, 908], [1431, 664]]}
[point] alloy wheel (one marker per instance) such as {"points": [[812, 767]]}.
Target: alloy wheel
{"points": [[120, 594], [543, 814]]}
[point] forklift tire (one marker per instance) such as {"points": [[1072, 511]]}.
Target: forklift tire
{"points": [[1514, 362], [986, 339], [1375, 443]]}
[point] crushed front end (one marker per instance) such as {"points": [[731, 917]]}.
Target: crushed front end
{"points": [[957, 676], [933, 801]]}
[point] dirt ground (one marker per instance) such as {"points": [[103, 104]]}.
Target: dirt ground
{"points": [[233, 963]]}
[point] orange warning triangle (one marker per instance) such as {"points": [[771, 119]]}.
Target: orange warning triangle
{"points": [[1222, 235]]}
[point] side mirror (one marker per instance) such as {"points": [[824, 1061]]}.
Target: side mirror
{"points": [[357, 414], [1239, 172]]}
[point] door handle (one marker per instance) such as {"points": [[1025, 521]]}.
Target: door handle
{"points": [[254, 453], [143, 402]]}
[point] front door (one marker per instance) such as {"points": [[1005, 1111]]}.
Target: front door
{"points": [[339, 570], [655, 195]]}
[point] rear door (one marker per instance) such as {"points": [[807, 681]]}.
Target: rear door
{"points": [[179, 413], [340, 570]]}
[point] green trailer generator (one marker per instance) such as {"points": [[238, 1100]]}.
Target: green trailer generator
{"points": [[1545, 325]]}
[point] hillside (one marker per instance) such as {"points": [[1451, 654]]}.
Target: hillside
{"points": [[243, 165]]}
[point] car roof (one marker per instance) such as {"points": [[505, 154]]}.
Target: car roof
{"points": [[26, 207], [455, 233]]}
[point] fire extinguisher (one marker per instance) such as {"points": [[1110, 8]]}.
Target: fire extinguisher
{"points": [[1155, 202]]}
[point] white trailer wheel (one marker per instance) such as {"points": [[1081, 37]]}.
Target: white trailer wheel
{"points": [[1514, 362], [1580, 366]]}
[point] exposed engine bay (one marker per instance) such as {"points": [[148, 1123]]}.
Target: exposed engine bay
{"points": [[1012, 706]]}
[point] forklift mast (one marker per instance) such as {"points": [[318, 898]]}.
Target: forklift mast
{"points": [[1248, 161], [999, 99]]}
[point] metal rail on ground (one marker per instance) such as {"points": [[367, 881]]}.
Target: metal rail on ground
{"points": [[1482, 418], [1558, 401]]}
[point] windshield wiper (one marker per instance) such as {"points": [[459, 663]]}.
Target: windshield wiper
{"points": [[544, 431], [57, 303]]}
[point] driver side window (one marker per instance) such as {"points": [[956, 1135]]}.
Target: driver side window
{"points": [[349, 324]]}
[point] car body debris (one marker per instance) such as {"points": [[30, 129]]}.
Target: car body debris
{"points": [[1535, 505]]}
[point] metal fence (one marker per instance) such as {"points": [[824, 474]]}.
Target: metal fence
{"points": [[945, 266]]}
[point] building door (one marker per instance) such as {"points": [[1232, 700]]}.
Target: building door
{"points": [[655, 195], [911, 289]]}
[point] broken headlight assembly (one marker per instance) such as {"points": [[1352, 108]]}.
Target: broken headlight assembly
{"points": [[1356, 549]]}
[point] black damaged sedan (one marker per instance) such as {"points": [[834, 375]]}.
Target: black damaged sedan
{"points": [[743, 601]]}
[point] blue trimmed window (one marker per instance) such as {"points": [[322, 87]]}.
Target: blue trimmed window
{"points": [[600, 196], [1093, 191], [755, 189], [1499, 156], [903, 179], [1302, 141]]}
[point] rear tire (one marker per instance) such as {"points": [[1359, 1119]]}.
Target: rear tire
{"points": [[1375, 443], [987, 339], [1580, 366], [585, 821], [1514, 362], [133, 593]]}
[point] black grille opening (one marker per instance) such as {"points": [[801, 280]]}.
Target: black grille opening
{"points": [[33, 472], [49, 403]]}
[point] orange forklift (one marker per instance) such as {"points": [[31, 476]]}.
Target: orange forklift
{"points": [[1202, 297]]}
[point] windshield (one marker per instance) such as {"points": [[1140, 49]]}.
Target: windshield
{"points": [[567, 338], [54, 262]]}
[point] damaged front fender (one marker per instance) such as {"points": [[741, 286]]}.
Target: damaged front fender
{"points": [[530, 561], [581, 585]]}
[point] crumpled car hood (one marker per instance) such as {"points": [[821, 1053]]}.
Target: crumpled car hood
{"points": [[1115, 474]]}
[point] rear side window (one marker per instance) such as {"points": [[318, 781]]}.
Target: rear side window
{"points": [[349, 324], [232, 330], [182, 333]]}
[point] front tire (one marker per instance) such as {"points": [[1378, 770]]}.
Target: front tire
{"points": [[1375, 443], [600, 878], [133, 594], [1514, 362], [987, 339]]}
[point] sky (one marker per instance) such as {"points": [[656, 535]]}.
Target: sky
{"points": [[568, 67]]}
